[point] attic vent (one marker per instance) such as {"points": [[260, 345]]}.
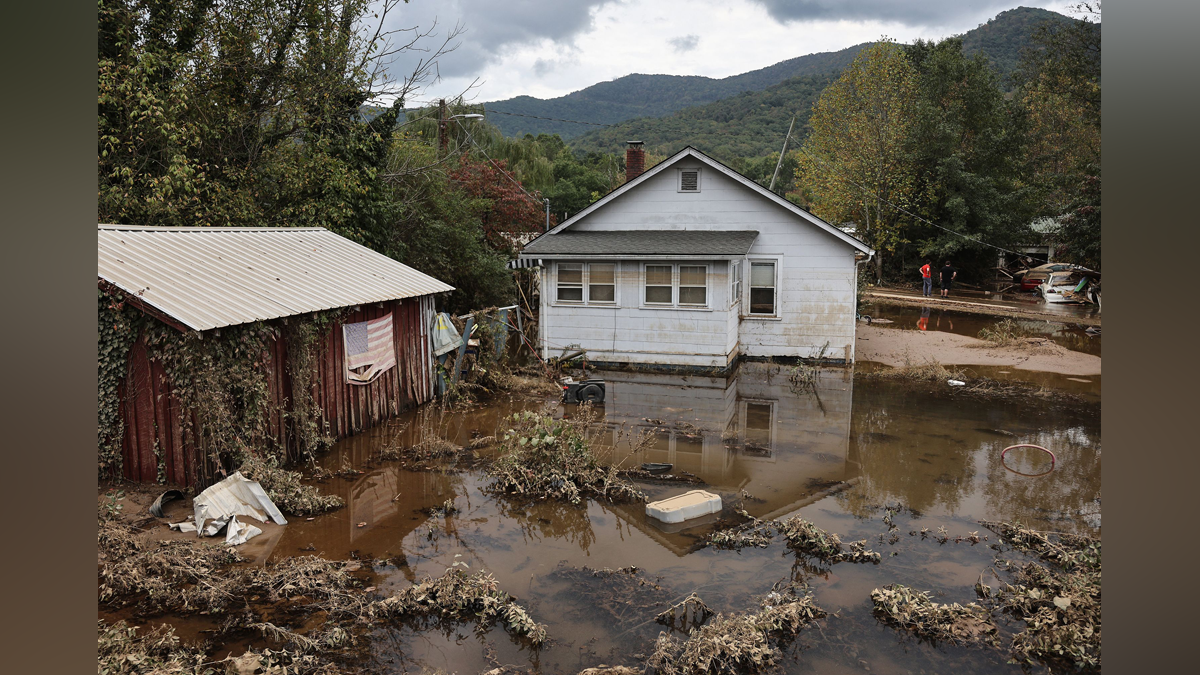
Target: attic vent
{"points": [[689, 180]]}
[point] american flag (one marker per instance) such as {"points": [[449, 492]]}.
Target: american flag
{"points": [[369, 349]]}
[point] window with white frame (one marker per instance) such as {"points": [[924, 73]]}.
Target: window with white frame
{"points": [[659, 289], [763, 298], [684, 286], [570, 282], [693, 285], [602, 282], [735, 282]]}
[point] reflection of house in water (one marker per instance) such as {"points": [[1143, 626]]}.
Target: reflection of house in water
{"points": [[751, 432]]}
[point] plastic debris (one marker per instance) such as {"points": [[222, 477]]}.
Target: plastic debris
{"points": [[955, 383]]}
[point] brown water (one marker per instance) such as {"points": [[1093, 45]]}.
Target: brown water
{"points": [[836, 454], [962, 323]]}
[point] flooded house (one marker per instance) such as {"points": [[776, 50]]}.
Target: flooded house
{"points": [[368, 356], [690, 265]]}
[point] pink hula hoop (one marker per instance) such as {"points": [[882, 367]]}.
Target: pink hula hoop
{"points": [[1053, 459]]}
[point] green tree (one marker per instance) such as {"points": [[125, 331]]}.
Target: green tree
{"points": [[856, 162]]}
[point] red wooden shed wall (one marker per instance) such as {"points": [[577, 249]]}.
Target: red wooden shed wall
{"points": [[151, 411]]}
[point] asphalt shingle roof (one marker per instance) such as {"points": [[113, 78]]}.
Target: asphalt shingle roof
{"points": [[645, 242]]}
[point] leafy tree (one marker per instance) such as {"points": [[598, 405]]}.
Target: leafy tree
{"points": [[856, 159], [509, 212]]}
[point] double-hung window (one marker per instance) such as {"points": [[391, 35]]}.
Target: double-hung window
{"points": [[676, 285], [763, 298], [659, 286], [593, 283]]}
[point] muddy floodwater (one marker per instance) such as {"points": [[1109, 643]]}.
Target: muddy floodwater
{"points": [[838, 454], [962, 323]]}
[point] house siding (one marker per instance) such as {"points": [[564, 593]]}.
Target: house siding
{"points": [[815, 286]]}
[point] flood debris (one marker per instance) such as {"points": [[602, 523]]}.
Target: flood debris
{"points": [[808, 539], [545, 458], [285, 488], [624, 594], [1008, 333], [915, 612], [156, 507], [458, 596], [737, 643], [1059, 601], [687, 613]]}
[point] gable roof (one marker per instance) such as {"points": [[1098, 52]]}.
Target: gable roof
{"points": [[210, 277], [690, 151], [647, 243]]}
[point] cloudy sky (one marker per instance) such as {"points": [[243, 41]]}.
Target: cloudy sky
{"points": [[548, 48]]}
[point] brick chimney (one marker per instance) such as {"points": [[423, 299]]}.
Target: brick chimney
{"points": [[635, 160]]}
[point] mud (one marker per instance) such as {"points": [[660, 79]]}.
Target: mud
{"points": [[941, 320], [908, 471], [899, 347]]}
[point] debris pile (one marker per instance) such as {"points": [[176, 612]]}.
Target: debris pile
{"points": [[913, 611], [458, 596], [285, 489], [737, 643], [808, 539], [545, 458], [1059, 602]]}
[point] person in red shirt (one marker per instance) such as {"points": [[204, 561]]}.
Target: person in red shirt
{"points": [[926, 279], [923, 322]]}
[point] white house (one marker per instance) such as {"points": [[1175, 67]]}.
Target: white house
{"points": [[692, 265]]}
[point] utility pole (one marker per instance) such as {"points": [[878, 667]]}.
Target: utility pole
{"points": [[781, 153], [547, 200], [442, 135]]}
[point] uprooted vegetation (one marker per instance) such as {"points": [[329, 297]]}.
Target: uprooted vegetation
{"points": [[285, 488], [1006, 333], [934, 373], [1059, 602], [457, 596], [803, 537], [914, 611], [737, 643], [545, 458], [488, 368]]}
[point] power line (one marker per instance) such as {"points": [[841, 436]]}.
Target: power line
{"points": [[551, 119], [498, 167]]}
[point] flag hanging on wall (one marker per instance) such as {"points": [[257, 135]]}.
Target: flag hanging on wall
{"points": [[370, 349]]}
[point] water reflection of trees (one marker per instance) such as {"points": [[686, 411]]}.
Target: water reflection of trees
{"points": [[1064, 499], [550, 520], [898, 439]]}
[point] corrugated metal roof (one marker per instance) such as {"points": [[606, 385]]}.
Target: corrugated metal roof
{"points": [[645, 242], [209, 277]]}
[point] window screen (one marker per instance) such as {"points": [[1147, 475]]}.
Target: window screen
{"points": [[762, 288], [658, 284], [693, 285], [602, 282], [570, 282]]}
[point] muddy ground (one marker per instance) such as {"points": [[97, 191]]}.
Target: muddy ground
{"points": [[896, 348]]}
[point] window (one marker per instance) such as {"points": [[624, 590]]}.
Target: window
{"points": [[689, 180], [600, 280], [735, 287], [759, 428], [693, 285], [602, 283], [762, 288], [570, 282], [658, 285]]}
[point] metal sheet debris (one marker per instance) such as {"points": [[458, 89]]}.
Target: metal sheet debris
{"points": [[234, 496], [239, 532], [156, 507]]}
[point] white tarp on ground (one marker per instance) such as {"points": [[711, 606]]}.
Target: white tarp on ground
{"points": [[223, 501]]}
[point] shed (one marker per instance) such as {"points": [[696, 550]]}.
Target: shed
{"points": [[690, 266], [368, 360]]}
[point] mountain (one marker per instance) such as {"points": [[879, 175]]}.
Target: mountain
{"points": [[641, 95], [655, 96]]}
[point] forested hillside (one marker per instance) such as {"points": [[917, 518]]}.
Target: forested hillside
{"points": [[641, 95], [650, 96]]}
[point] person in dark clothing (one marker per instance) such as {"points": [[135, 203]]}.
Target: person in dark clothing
{"points": [[947, 273]]}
